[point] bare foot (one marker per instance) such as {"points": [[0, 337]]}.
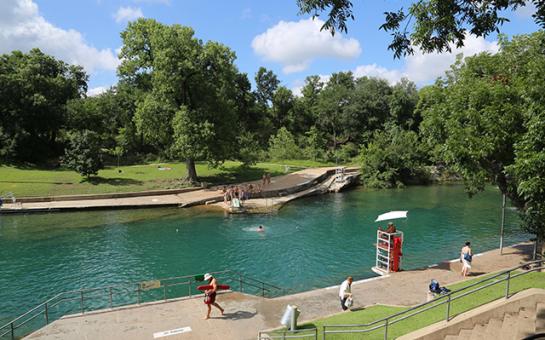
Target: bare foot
{"points": [[206, 317], [222, 311]]}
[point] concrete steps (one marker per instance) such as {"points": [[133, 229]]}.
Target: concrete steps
{"points": [[525, 323]]}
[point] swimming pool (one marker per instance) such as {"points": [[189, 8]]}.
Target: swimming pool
{"points": [[313, 242]]}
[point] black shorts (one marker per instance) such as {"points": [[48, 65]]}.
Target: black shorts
{"points": [[343, 301]]}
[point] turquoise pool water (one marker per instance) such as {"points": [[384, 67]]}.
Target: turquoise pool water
{"points": [[312, 242]]}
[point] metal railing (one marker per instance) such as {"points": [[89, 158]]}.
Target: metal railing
{"points": [[505, 276], [82, 301], [309, 333]]}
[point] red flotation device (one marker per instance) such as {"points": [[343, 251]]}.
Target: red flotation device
{"points": [[396, 253], [207, 287]]}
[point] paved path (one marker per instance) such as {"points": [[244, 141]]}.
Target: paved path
{"points": [[246, 315], [191, 198]]}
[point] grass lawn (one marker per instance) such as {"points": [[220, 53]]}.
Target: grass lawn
{"points": [[30, 181], [531, 280]]}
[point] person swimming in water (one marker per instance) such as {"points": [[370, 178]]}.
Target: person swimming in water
{"points": [[260, 229]]}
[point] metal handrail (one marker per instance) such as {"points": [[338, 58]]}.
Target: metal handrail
{"points": [[441, 300], [130, 288], [287, 334]]}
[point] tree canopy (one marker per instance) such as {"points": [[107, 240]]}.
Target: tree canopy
{"points": [[486, 121], [431, 25], [189, 108], [34, 90]]}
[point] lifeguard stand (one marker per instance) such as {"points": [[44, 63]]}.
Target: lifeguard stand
{"points": [[389, 252], [389, 245]]}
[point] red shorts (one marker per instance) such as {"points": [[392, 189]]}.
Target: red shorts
{"points": [[209, 298]]}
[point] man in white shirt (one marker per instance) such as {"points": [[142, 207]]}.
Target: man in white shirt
{"points": [[345, 291]]}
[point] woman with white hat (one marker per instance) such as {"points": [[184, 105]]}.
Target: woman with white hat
{"points": [[210, 295]]}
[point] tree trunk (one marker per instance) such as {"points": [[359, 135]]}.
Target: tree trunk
{"points": [[191, 171]]}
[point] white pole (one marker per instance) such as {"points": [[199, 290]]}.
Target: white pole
{"points": [[502, 223]]}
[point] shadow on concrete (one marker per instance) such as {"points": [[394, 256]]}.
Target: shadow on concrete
{"points": [[525, 249], [238, 315]]}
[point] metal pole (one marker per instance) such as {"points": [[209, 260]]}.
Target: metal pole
{"points": [[81, 301], [110, 289], [240, 281], [12, 331], [263, 289], [507, 285], [386, 329], [448, 308], [165, 292], [189, 288], [46, 315], [502, 223]]}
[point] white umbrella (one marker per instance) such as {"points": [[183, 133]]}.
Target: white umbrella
{"points": [[392, 215]]}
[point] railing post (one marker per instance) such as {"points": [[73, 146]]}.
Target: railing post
{"points": [[284, 335], [263, 289], [165, 292], [189, 288], [46, 314], [448, 307], [386, 329], [507, 285], [12, 331], [240, 282], [81, 301], [111, 302]]}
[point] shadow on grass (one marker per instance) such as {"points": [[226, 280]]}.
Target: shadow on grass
{"points": [[238, 174], [37, 182], [111, 181]]}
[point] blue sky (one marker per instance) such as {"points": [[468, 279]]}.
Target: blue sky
{"points": [[264, 33]]}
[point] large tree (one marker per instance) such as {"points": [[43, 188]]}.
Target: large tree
{"points": [[487, 124], [431, 25], [189, 107], [34, 90]]}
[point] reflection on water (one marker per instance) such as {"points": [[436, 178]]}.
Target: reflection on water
{"points": [[313, 242]]}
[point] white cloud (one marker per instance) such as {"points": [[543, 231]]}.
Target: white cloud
{"points": [[424, 68], [23, 28], [526, 11], [420, 68], [374, 70], [95, 91], [296, 44], [127, 14]]}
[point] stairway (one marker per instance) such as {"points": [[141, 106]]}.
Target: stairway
{"points": [[527, 323]]}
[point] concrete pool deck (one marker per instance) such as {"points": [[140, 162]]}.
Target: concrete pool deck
{"points": [[280, 186], [245, 315]]}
